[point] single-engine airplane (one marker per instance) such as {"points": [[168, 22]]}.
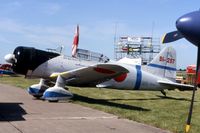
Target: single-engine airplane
{"points": [[188, 27], [64, 71], [158, 75]]}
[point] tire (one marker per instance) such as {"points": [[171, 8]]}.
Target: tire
{"points": [[53, 101]]}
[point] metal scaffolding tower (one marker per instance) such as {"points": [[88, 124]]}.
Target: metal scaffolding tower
{"points": [[137, 47]]}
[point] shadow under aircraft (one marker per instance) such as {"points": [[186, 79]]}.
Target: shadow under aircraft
{"points": [[11, 112], [106, 102]]}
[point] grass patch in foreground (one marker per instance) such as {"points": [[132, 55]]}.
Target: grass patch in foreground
{"points": [[18, 81], [152, 108]]}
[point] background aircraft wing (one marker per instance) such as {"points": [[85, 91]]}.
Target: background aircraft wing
{"points": [[91, 75], [181, 87]]}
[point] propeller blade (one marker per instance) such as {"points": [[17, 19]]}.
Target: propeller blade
{"points": [[187, 127], [171, 37]]}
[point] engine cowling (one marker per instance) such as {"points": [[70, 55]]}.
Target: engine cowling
{"points": [[26, 59]]}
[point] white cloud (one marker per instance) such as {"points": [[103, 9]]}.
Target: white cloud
{"points": [[9, 25], [15, 4], [52, 8], [12, 32], [10, 6], [158, 1], [50, 35], [4, 40], [41, 36], [103, 30]]}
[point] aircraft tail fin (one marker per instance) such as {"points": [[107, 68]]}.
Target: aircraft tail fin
{"points": [[75, 42], [164, 64]]}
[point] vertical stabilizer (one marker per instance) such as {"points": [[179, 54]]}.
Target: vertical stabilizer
{"points": [[75, 42], [164, 64]]}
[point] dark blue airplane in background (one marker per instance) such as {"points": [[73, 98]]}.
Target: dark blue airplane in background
{"points": [[188, 27]]}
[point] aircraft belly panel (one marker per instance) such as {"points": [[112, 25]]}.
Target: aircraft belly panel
{"points": [[128, 82], [136, 80], [149, 82]]}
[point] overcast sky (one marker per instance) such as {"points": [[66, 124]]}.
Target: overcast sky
{"points": [[50, 23]]}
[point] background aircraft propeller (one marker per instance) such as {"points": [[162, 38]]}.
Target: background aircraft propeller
{"points": [[188, 27], [171, 37]]}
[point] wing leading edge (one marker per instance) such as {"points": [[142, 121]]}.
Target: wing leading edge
{"points": [[91, 75]]}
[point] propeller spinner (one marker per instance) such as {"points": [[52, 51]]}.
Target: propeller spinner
{"points": [[188, 27], [10, 58]]}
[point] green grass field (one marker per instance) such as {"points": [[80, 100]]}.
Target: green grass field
{"points": [[152, 108]]}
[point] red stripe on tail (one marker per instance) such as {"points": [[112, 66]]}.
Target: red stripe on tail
{"points": [[75, 42]]}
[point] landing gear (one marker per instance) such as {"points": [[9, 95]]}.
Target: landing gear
{"points": [[53, 101], [37, 96], [57, 92], [37, 90], [52, 94], [163, 92]]}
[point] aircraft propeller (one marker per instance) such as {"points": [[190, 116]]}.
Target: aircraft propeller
{"points": [[188, 27]]}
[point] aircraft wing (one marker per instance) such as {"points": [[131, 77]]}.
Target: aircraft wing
{"points": [[181, 87], [91, 75]]}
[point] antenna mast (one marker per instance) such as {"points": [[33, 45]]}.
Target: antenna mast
{"points": [[115, 39]]}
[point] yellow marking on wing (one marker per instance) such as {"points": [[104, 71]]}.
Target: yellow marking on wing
{"points": [[55, 75]]}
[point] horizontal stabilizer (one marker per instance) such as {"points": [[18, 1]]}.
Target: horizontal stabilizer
{"points": [[181, 87], [171, 37]]}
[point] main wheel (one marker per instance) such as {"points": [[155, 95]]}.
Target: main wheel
{"points": [[53, 101]]}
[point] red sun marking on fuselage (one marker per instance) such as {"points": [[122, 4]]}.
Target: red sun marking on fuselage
{"points": [[103, 70], [121, 78]]}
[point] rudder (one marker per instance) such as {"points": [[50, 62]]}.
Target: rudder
{"points": [[164, 64]]}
